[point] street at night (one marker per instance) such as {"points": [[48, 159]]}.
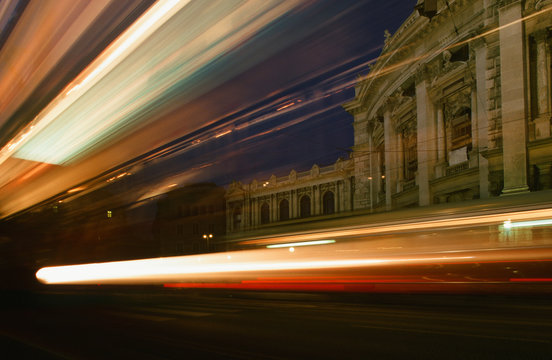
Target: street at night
{"points": [[161, 324], [276, 179]]}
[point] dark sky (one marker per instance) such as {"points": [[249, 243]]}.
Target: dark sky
{"points": [[285, 111], [312, 70]]}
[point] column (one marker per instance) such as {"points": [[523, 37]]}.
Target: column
{"points": [[272, 206], [390, 138], [542, 120], [512, 80], [426, 137], [440, 167], [254, 212], [373, 173], [474, 159], [347, 194], [338, 196], [482, 133], [245, 217], [400, 162], [316, 200]]}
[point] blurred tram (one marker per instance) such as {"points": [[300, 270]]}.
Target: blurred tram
{"points": [[503, 244]]}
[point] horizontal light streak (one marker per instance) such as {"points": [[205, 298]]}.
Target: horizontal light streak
{"points": [[304, 243], [199, 267], [411, 226], [508, 224], [531, 279]]}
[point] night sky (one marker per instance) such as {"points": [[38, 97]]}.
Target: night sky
{"points": [[296, 92]]}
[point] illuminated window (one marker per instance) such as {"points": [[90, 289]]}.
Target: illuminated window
{"points": [[109, 214]]}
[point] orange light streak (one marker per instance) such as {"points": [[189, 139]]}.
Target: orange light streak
{"points": [[378, 229]]}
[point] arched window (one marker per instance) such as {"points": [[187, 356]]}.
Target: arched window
{"points": [[328, 203], [305, 206], [236, 218], [284, 210], [265, 213]]}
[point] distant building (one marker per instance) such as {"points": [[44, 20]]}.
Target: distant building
{"points": [[456, 107], [300, 195], [191, 219]]}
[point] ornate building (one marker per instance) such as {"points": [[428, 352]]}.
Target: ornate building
{"points": [[456, 107], [320, 191]]}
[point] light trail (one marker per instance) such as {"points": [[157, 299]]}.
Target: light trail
{"points": [[217, 266], [490, 219], [306, 243]]}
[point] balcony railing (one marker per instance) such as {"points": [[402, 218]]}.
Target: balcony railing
{"points": [[456, 169]]}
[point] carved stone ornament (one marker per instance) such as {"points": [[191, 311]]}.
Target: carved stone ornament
{"points": [[304, 191], [315, 170], [421, 73], [536, 4], [326, 187], [293, 175]]}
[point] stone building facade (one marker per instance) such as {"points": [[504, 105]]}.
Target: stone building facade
{"points": [[324, 190], [456, 107]]}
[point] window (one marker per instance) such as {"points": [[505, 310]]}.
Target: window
{"points": [[109, 213], [305, 206], [328, 203], [265, 213], [195, 230], [461, 129], [284, 210], [236, 218]]}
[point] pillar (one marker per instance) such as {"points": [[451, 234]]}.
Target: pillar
{"points": [[512, 80], [542, 120], [400, 161], [390, 138], [426, 137], [474, 158], [482, 132]]}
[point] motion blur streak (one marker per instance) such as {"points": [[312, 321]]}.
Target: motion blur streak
{"points": [[508, 224], [382, 228], [306, 243], [215, 266], [136, 80]]}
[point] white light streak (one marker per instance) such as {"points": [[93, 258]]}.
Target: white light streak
{"points": [[509, 224], [212, 266], [304, 243]]}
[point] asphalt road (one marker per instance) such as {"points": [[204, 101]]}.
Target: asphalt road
{"points": [[177, 324]]}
